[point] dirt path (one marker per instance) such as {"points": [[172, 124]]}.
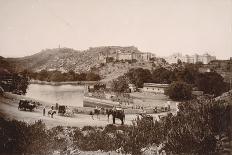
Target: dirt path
{"points": [[9, 110]]}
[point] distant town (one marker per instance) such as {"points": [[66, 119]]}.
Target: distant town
{"points": [[147, 56]]}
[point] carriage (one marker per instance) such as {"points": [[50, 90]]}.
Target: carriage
{"points": [[65, 111], [26, 105]]}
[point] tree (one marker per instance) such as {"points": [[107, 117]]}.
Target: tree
{"points": [[187, 74], [43, 75], [179, 91], [162, 75], [81, 77], [20, 84], [138, 76], [211, 83], [197, 123], [109, 59], [92, 77], [120, 84], [56, 76]]}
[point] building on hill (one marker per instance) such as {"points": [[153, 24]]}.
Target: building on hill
{"points": [[139, 56], [125, 55], [205, 58], [154, 87]]}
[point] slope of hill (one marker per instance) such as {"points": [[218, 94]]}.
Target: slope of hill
{"points": [[113, 70], [65, 59], [5, 65]]}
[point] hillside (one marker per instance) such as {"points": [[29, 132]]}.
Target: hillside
{"points": [[112, 70], [65, 59]]}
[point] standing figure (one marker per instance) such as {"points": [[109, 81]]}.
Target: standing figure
{"points": [[91, 113], [44, 110], [57, 106]]}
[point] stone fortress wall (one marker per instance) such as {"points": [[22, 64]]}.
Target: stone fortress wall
{"points": [[126, 55]]}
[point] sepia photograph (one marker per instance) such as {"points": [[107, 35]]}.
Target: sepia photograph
{"points": [[115, 77]]}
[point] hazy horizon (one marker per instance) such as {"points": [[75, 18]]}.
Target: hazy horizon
{"points": [[162, 27]]}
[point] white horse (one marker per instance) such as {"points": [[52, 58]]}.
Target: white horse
{"points": [[51, 112]]}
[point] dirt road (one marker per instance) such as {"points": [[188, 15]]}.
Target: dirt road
{"points": [[9, 110]]}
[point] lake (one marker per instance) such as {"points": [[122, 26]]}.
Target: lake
{"points": [[71, 95]]}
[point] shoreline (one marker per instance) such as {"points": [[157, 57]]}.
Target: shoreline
{"points": [[81, 83]]}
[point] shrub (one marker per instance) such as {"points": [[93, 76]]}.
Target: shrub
{"points": [[120, 84], [20, 138], [197, 124], [211, 83], [179, 91]]}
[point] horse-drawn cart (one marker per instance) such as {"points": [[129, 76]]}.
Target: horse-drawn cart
{"points": [[26, 105], [65, 111]]}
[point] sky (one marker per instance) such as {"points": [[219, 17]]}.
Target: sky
{"points": [[162, 27]]}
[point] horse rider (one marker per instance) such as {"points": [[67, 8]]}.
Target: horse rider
{"points": [[52, 111]]}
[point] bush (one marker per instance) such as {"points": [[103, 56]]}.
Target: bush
{"points": [[138, 76], [179, 91], [20, 138], [92, 77], [120, 84], [211, 83], [194, 129]]}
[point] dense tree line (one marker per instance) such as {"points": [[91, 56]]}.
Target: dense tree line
{"points": [[14, 82], [200, 127], [57, 76], [187, 75]]}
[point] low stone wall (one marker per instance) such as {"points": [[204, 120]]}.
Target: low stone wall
{"points": [[93, 102]]}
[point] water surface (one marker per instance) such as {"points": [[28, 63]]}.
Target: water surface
{"points": [[71, 95]]}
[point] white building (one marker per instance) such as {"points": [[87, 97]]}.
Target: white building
{"points": [[154, 87], [205, 58]]}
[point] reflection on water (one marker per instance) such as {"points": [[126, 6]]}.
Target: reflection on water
{"points": [[64, 94]]}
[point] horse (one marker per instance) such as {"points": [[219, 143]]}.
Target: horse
{"points": [[97, 111], [51, 112], [116, 114]]}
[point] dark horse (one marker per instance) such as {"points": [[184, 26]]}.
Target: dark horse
{"points": [[116, 114], [97, 112]]}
